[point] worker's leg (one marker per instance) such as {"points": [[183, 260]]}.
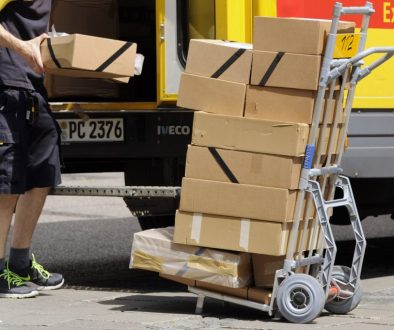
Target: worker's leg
{"points": [[7, 206], [27, 213]]}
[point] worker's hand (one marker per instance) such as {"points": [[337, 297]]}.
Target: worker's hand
{"points": [[30, 51]]}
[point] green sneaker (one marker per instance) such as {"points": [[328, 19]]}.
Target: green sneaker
{"points": [[13, 286], [43, 279]]}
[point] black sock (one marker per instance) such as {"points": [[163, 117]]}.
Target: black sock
{"points": [[19, 259], [2, 264]]}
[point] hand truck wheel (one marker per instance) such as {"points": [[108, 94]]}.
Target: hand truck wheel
{"points": [[300, 298], [340, 305]]}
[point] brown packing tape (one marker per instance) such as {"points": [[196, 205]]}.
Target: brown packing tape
{"points": [[146, 261], [212, 266]]}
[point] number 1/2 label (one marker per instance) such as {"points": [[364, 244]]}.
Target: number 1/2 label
{"points": [[346, 45]]}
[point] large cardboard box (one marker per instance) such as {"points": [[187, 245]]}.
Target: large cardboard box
{"points": [[220, 59], [237, 200], [264, 268], [294, 35], [285, 104], [78, 55], [243, 167], [211, 95], [154, 250], [92, 17], [286, 70], [246, 134], [235, 234]]}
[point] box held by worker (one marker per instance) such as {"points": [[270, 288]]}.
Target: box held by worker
{"points": [[80, 55]]}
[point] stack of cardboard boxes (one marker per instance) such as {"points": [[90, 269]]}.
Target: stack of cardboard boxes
{"points": [[243, 166], [254, 110]]}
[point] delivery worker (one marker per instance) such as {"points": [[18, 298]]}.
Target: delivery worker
{"points": [[29, 145]]}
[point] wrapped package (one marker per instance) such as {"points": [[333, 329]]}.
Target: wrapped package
{"points": [[153, 250]]}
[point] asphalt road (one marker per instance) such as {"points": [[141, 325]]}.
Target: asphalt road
{"points": [[89, 239]]}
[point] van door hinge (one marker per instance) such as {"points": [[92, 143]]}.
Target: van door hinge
{"points": [[162, 30]]}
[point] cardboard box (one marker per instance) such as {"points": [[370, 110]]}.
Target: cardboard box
{"points": [[235, 292], [92, 17], [287, 70], [280, 104], [235, 234], [154, 250], [83, 88], [256, 294], [80, 55], [260, 295], [264, 268], [224, 60], [243, 167], [211, 95], [294, 35], [246, 134], [237, 200], [285, 104]]}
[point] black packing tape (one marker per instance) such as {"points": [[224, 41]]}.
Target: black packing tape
{"points": [[52, 53], [223, 165], [228, 63], [271, 68], [116, 55]]}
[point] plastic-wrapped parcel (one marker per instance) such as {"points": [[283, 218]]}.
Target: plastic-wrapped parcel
{"points": [[153, 250]]}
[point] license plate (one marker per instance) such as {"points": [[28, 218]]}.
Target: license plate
{"points": [[92, 130]]}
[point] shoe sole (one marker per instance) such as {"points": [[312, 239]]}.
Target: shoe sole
{"points": [[48, 288], [19, 296]]}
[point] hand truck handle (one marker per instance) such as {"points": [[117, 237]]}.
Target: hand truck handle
{"points": [[366, 10]]}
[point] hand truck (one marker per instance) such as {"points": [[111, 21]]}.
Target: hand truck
{"points": [[309, 281]]}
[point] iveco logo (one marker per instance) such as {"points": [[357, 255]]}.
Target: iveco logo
{"points": [[173, 130]]}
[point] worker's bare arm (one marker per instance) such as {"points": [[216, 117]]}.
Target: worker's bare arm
{"points": [[29, 50]]}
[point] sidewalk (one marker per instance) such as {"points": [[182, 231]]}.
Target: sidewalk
{"points": [[75, 308]]}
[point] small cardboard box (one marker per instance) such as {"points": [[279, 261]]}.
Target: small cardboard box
{"points": [[82, 88], [284, 104], [246, 134], [294, 35], [211, 95], [237, 200], [79, 55], [243, 167], [286, 70], [264, 268], [224, 60], [235, 234], [154, 250]]}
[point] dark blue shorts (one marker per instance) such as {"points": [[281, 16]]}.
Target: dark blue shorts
{"points": [[29, 147]]}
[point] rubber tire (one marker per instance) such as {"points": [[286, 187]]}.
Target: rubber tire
{"points": [[338, 306], [311, 288], [156, 222]]}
